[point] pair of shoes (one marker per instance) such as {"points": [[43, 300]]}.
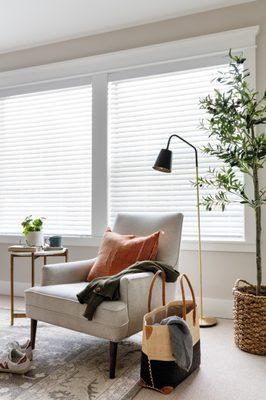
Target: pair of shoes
{"points": [[17, 359]]}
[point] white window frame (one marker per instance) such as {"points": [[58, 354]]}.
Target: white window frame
{"points": [[146, 60]]}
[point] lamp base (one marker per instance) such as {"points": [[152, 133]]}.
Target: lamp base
{"points": [[207, 322]]}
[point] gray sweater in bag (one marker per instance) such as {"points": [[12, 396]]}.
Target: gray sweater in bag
{"points": [[181, 341]]}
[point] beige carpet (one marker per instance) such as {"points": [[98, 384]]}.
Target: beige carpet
{"points": [[226, 372]]}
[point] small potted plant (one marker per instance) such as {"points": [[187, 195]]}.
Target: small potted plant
{"points": [[32, 229], [231, 121]]}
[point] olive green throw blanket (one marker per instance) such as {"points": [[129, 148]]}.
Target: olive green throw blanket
{"points": [[107, 288]]}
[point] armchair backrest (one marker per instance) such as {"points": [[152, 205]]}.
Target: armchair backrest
{"points": [[143, 224]]}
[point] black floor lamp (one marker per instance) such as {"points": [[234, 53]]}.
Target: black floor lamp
{"points": [[164, 164]]}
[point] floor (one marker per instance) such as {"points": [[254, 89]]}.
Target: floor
{"points": [[226, 372]]}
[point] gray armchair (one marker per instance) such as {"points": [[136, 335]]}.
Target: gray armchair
{"points": [[55, 301]]}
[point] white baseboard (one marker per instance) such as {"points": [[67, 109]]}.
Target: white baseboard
{"points": [[221, 308]]}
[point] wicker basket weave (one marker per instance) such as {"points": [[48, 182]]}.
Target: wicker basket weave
{"points": [[250, 318]]}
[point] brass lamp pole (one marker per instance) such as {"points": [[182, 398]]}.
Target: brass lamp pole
{"points": [[164, 164]]}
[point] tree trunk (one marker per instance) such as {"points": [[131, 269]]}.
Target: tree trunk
{"points": [[258, 223], [258, 232]]}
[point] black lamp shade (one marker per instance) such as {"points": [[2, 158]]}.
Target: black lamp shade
{"points": [[164, 161]]}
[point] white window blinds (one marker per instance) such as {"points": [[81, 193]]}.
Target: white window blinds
{"points": [[143, 112], [45, 160]]}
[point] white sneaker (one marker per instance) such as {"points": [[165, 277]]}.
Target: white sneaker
{"points": [[15, 362], [25, 348]]}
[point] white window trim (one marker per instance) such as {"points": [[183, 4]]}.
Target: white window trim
{"points": [[186, 245], [191, 48], [98, 68]]}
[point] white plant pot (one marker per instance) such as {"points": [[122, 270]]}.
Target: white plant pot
{"points": [[35, 239]]}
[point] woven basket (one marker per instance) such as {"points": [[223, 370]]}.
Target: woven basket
{"points": [[249, 318]]}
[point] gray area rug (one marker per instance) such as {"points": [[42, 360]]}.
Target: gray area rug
{"points": [[69, 365]]}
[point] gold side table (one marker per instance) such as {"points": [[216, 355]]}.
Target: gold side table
{"points": [[33, 256]]}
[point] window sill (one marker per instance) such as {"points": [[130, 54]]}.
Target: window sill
{"points": [[186, 245], [219, 246], [92, 241]]}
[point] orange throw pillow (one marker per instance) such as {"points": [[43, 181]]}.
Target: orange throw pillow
{"points": [[118, 252]]}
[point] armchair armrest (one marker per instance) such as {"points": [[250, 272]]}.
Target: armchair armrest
{"points": [[134, 290], [135, 285], [70, 272]]}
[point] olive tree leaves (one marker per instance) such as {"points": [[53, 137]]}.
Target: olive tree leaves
{"points": [[232, 118]]}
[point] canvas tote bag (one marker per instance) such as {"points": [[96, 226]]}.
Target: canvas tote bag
{"points": [[159, 370]]}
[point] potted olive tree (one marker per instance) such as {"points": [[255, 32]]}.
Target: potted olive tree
{"points": [[232, 119], [32, 229]]}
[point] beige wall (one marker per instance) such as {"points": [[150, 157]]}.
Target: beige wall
{"points": [[220, 268], [179, 28]]}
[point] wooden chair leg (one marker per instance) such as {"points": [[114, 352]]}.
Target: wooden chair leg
{"points": [[113, 354], [33, 329]]}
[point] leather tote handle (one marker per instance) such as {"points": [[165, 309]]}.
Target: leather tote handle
{"points": [[184, 310], [162, 273]]}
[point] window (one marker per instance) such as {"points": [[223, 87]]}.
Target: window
{"points": [[45, 160], [143, 113], [78, 140]]}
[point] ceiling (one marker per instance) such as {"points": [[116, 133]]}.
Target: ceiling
{"points": [[29, 23]]}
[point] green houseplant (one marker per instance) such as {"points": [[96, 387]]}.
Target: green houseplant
{"points": [[232, 119], [32, 230]]}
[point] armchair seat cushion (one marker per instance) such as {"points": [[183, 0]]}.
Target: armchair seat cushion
{"points": [[62, 300]]}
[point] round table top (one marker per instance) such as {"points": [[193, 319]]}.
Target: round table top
{"points": [[38, 253]]}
